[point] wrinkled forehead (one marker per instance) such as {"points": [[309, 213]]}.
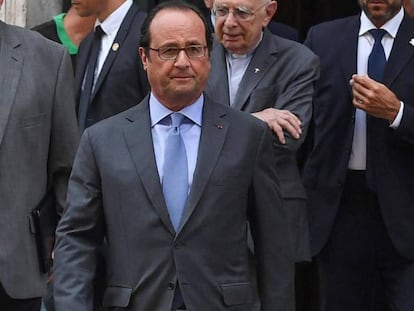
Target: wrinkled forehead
{"points": [[172, 24], [239, 3]]}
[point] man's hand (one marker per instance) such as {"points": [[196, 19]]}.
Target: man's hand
{"points": [[279, 120], [374, 98]]}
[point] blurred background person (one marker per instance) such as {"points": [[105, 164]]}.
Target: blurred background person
{"points": [[69, 29], [109, 74]]}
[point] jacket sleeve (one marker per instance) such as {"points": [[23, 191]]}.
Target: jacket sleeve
{"points": [[275, 267], [64, 138], [79, 233]]}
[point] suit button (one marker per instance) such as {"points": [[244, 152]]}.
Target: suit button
{"points": [[171, 285]]}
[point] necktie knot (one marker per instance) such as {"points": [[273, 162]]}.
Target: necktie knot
{"points": [[98, 33], [378, 34], [377, 58], [176, 119]]}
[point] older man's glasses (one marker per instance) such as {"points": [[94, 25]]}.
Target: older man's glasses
{"points": [[171, 53], [240, 13]]}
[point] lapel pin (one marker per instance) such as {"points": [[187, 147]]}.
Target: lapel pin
{"points": [[412, 41], [256, 70], [115, 47], [219, 126]]}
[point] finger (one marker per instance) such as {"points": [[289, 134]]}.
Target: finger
{"points": [[363, 80], [287, 116], [289, 125], [277, 129], [295, 123], [292, 128], [359, 93], [358, 103]]}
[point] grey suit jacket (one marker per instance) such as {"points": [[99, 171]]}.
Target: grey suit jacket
{"points": [[38, 141], [281, 74], [115, 192]]}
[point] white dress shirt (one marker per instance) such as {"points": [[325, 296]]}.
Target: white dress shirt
{"points": [[236, 67], [365, 43], [110, 26]]}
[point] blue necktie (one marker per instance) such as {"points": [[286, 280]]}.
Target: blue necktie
{"points": [[377, 59], [87, 90], [375, 126], [175, 172]]}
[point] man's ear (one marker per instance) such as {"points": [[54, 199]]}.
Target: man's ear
{"points": [[209, 4], [271, 9], [142, 55]]}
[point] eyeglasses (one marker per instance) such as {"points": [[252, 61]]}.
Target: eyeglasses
{"points": [[240, 13], [171, 53]]}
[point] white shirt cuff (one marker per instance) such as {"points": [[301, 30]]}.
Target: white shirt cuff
{"points": [[396, 123]]}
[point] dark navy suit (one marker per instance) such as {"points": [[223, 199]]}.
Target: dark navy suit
{"points": [[391, 156], [122, 82]]}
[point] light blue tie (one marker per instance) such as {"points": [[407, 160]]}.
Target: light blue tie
{"points": [[175, 172]]}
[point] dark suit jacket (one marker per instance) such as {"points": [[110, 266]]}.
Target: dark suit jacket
{"points": [[284, 31], [115, 192], [38, 140], [122, 82], [281, 74], [326, 166]]}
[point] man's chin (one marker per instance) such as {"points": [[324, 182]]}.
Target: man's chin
{"points": [[234, 47]]}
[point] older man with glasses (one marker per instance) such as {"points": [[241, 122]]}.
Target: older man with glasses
{"points": [[273, 79]]}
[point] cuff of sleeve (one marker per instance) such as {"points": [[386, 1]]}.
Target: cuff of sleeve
{"points": [[396, 123]]}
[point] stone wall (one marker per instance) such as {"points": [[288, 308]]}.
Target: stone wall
{"points": [[28, 13]]}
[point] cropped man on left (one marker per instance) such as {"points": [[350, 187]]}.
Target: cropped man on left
{"points": [[38, 141]]}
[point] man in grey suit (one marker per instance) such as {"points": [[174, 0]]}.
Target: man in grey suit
{"points": [[272, 78], [38, 141], [195, 257]]}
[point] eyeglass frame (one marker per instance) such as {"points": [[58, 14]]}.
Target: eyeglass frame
{"points": [[179, 50], [240, 9]]}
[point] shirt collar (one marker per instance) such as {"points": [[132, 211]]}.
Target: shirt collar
{"points": [[112, 23], [390, 26], [158, 111]]}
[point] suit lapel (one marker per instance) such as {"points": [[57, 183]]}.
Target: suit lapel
{"points": [[262, 59], [349, 47], [11, 62], [213, 133], [113, 52], [402, 51], [81, 65], [218, 82], [139, 141]]}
